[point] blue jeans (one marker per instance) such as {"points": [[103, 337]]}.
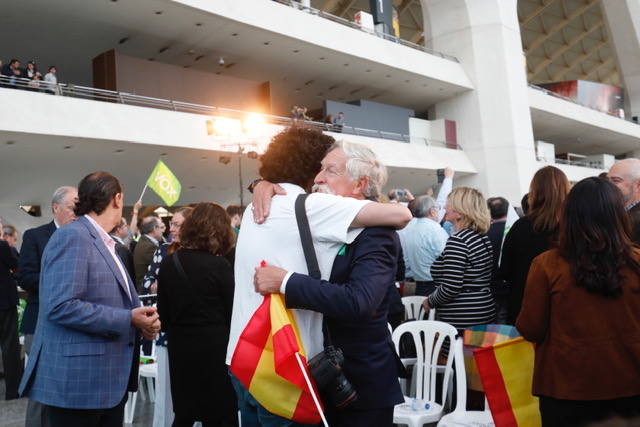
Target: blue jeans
{"points": [[253, 414]]}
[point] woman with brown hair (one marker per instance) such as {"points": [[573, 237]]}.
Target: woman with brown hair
{"points": [[462, 272], [195, 297], [581, 308], [532, 234]]}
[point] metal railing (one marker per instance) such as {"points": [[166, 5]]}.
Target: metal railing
{"points": [[573, 101], [340, 20], [75, 91], [592, 164]]}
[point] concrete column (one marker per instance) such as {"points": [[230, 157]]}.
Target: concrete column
{"points": [[623, 23], [494, 120]]}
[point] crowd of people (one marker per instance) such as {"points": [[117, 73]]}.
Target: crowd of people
{"points": [[13, 71], [566, 274]]}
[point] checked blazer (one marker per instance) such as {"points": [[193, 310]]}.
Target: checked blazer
{"points": [[84, 345]]}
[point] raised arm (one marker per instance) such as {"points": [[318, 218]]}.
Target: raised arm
{"points": [[382, 215]]}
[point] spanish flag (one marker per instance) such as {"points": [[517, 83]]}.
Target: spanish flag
{"points": [[506, 371], [269, 361]]}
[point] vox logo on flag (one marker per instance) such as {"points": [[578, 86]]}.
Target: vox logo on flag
{"points": [[270, 362], [164, 183]]}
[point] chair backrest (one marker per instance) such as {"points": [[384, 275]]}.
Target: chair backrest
{"points": [[428, 338], [413, 309]]}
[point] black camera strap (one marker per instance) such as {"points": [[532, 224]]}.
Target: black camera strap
{"points": [[309, 250]]}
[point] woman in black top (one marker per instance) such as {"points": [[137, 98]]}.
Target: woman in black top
{"points": [[195, 307], [463, 271], [532, 234]]}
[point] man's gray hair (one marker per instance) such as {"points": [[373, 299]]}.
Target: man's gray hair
{"points": [[422, 205], [148, 223], [363, 162], [60, 194]]}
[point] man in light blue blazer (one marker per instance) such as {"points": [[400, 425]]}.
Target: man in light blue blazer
{"points": [[83, 357]]}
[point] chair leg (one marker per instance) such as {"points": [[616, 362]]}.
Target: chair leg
{"points": [[130, 408], [151, 389]]}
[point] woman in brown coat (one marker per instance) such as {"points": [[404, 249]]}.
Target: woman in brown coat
{"points": [[581, 307]]}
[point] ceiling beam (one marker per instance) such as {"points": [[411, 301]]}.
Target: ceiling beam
{"points": [[415, 38], [555, 55], [403, 6], [579, 60], [598, 67], [330, 5], [346, 5], [564, 21], [530, 17]]}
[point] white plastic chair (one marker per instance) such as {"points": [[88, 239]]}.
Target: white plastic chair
{"points": [[428, 337], [414, 310], [460, 417]]}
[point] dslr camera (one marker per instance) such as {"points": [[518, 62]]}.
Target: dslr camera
{"points": [[334, 387]]}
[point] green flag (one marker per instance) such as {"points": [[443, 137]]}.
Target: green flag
{"points": [[164, 183]]}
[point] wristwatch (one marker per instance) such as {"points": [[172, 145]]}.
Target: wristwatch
{"points": [[253, 184]]}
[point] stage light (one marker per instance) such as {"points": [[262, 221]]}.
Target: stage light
{"points": [[224, 126], [253, 125], [224, 159]]}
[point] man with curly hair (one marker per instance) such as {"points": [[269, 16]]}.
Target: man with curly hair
{"points": [[355, 300], [293, 159]]}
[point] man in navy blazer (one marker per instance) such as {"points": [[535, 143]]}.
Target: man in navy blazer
{"points": [[82, 360], [356, 299]]}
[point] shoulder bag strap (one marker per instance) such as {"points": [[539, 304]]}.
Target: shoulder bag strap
{"points": [[305, 237]]}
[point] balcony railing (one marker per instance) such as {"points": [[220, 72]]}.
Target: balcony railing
{"points": [[573, 101], [592, 164], [340, 20], [75, 91]]}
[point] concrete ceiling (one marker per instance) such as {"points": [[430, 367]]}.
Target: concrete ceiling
{"points": [[579, 137], [161, 30], [562, 39], [566, 40]]}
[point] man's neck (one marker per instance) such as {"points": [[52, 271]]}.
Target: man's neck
{"points": [[104, 220]]}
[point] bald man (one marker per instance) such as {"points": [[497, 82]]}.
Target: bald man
{"points": [[625, 174]]}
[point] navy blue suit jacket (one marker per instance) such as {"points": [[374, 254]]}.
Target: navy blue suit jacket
{"points": [[355, 303], [8, 288], [33, 243]]}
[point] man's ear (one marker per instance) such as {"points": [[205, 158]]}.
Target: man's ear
{"points": [[361, 186], [118, 201]]}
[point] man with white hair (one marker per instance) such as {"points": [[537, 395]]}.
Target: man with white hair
{"points": [[625, 175], [356, 297], [423, 241], [34, 241]]}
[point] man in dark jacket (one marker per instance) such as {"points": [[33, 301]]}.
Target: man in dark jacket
{"points": [[33, 243], [355, 301]]}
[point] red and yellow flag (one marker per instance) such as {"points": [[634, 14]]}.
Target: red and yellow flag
{"points": [[265, 363], [506, 371]]}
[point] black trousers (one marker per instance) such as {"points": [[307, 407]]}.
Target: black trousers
{"points": [[65, 417], [379, 417], [575, 413], [10, 346]]}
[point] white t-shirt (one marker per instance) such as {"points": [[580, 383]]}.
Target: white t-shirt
{"points": [[277, 242]]}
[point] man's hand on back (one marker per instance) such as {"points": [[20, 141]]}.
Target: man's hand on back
{"points": [[268, 279], [147, 320], [263, 192]]}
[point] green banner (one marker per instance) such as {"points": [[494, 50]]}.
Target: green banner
{"points": [[164, 183]]}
